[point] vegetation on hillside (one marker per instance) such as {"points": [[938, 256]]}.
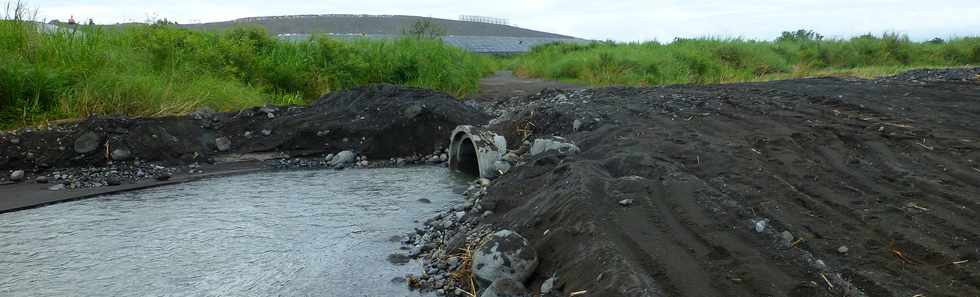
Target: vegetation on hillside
{"points": [[161, 69], [794, 54]]}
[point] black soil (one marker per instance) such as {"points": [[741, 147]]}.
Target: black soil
{"points": [[379, 121], [889, 169]]}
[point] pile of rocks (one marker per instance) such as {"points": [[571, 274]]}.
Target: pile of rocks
{"points": [[92, 177], [455, 250], [349, 159]]}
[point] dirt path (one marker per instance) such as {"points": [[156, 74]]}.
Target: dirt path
{"points": [[504, 84]]}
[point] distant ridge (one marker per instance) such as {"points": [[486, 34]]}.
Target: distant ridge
{"points": [[372, 25]]}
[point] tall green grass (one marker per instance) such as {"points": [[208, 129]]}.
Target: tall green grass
{"points": [[161, 69], [709, 60]]}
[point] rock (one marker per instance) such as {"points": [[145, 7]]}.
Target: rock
{"points": [[41, 179], [163, 177], [626, 202], [843, 249], [548, 285], [17, 175], [787, 236], [223, 144], [443, 157], [342, 158], [87, 143], [505, 287], [760, 225], [121, 154], [557, 144], [484, 182], [502, 166], [266, 132], [57, 187], [113, 181], [328, 158], [425, 200], [576, 125], [399, 259], [506, 255]]}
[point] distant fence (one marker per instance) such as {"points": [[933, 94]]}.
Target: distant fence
{"points": [[483, 19], [478, 44]]}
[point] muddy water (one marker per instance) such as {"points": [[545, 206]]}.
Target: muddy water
{"points": [[299, 233]]}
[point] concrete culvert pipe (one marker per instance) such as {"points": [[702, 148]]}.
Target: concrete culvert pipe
{"points": [[474, 151]]}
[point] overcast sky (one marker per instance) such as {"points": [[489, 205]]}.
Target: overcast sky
{"points": [[619, 20]]}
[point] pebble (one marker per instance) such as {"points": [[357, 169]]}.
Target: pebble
{"points": [[626, 202], [787, 236], [41, 179], [57, 187], [761, 225], [266, 132], [843, 249]]}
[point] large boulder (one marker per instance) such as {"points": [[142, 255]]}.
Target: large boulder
{"points": [[87, 143], [506, 255], [506, 287], [342, 158], [553, 143]]}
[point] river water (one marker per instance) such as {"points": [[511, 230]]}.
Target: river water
{"points": [[287, 233]]}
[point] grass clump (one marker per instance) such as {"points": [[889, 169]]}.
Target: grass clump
{"points": [[711, 60], [54, 73]]}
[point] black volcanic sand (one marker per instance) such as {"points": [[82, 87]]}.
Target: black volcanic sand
{"points": [[888, 168], [379, 121]]}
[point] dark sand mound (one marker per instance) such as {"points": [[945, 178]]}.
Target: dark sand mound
{"points": [[888, 170], [379, 121]]}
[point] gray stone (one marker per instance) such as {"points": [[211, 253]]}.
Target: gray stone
{"points": [[87, 143], [223, 143], [342, 158], [57, 187], [787, 236], [17, 175], [266, 132], [328, 158], [443, 157], [506, 255], [41, 179], [548, 285], [121, 154], [842, 249], [506, 287], [576, 125], [557, 144], [626, 202]]}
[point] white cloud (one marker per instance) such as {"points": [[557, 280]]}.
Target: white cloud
{"points": [[620, 20]]}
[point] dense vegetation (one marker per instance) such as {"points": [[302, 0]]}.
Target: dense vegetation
{"points": [[48, 74], [794, 54]]}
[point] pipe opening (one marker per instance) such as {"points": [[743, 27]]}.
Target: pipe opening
{"points": [[467, 161]]}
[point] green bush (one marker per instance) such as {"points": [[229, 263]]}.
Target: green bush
{"points": [[161, 69], [711, 60]]}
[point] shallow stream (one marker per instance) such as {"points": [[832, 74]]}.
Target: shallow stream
{"points": [[287, 233]]}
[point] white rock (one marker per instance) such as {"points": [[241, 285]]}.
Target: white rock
{"points": [[506, 255], [17, 175], [542, 145]]}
